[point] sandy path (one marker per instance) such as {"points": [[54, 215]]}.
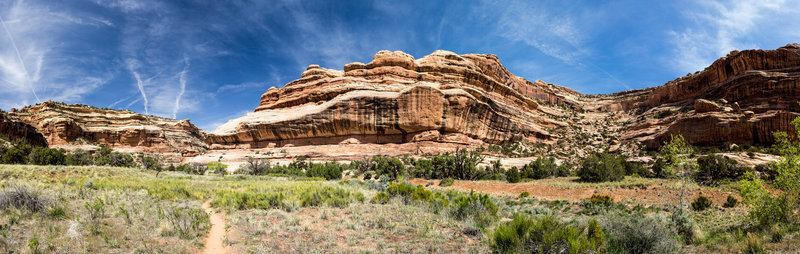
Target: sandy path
{"points": [[213, 243]]}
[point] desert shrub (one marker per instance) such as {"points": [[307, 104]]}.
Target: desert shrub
{"points": [[409, 193], [447, 182], [151, 163], [767, 171], [713, 168], [423, 168], [478, 208], [17, 152], [665, 113], [46, 156], [753, 244], [770, 207], [462, 165], [602, 167], [701, 203], [513, 175], [524, 194], [546, 234], [660, 168], [391, 167], [367, 176], [328, 170], [24, 198], [242, 200], [543, 167], [188, 223], [776, 234], [79, 157], [730, 202], [96, 209], [56, 212], [684, 224], [256, 166], [640, 234], [328, 196], [635, 168], [105, 156], [601, 199], [217, 167]]}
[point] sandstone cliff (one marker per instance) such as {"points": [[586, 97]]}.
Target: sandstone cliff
{"points": [[442, 97], [14, 130], [63, 124], [754, 93]]}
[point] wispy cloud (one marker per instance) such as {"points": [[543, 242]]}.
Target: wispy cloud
{"points": [[540, 27], [715, 28]]}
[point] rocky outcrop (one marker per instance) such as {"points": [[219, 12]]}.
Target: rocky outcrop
{"points": [[64, 124], [759, 90], [442, 97], [15, 130]]}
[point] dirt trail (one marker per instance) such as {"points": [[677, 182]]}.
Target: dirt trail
{"points": [[213, 243]]}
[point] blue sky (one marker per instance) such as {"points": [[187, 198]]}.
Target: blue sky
{"points": [[209, 61]]}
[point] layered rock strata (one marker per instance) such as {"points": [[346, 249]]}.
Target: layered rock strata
{"points": [[64, 124], [442, 97], [15, 130], [740, 98]]}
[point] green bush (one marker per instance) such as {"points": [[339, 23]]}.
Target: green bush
{"points": [[602, 167], [640, 234], [543, 167], [391, 167], [713, 168], [17, 152], [701, 203], [524, 194], [217, 167], [188, 223], [447, 182], [478, 208], [730, 202], [151, 163], [79, 157], [105, 156], [546, 235], [513, 175], [46, 156], [660, 169], [328, 170], [601, 200]]}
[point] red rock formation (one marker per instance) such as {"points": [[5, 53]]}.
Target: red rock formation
{"points": [[14, 130], [761, 89], [63, 124], [395, 98]]}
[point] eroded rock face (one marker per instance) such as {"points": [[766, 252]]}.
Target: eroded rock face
{"points": [[63, 124], [442, 97], [14, 130], [759, 90]]}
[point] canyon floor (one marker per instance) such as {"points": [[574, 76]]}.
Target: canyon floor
{"points": [[124, 210]]}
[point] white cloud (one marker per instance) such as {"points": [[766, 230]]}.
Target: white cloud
{"points": [[35, 64], [534, 24], [718, 27]]}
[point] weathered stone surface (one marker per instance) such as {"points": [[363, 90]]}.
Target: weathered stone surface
{"points": [[762, 87], [703, 106], [397, 99], [14, 130], [63, 124]]}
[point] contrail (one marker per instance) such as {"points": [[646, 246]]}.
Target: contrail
{"points": [[19, 56], [183, 87], [141, 90]]}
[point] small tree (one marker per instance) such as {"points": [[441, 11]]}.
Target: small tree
{"points": [[217, 167], [780, 206], [257, 166], [679, 164]]}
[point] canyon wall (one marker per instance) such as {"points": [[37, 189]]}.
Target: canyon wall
{"points": [[442, 97], [15, 130], [64, 124]]}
